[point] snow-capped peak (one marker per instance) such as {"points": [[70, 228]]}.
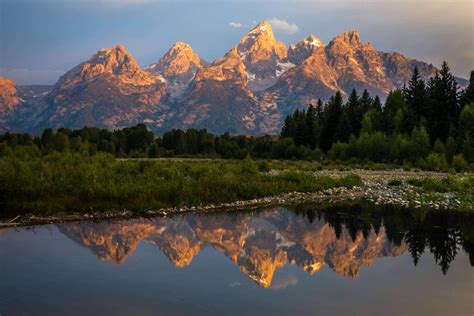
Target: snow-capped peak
{"points": [[312, 41], [262, 27]]}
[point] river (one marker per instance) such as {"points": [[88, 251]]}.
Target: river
{"points": [[302, 260]]}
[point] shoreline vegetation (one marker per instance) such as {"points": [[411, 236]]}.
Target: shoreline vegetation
{"points": [[72, 187], [73, 182]]}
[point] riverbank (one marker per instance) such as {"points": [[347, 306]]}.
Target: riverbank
{"points": [[410, 189], [69, 183]]}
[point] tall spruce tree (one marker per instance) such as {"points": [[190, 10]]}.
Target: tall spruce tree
{"points": [[319, 113], [377, 104], [311, 127], [353, 113], [301, 128], [365, 102], [319, 121], [343, 131], [444, 106], [289, 127], [467, 96], [416, 99], [332, 116]]}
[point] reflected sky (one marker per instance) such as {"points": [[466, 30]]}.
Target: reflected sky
{"points": [[304, 260]]}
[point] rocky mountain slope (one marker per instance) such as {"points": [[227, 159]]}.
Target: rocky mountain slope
{"points": [[8, 96], [259, 245], [250, 90], [109, 90], [178, 67]]}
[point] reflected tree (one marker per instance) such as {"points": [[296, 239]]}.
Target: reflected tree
{"points": [[442, 233]]}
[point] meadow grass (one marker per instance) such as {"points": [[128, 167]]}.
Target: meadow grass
{"points": [[444, 184], [73, 182]]}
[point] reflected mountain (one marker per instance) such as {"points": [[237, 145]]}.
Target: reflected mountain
{"points": [[344, 238]]}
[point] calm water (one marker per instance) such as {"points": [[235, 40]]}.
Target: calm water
{"points": [[301, 261]]}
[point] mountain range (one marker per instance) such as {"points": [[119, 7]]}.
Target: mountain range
{"points": [[250, 90]]}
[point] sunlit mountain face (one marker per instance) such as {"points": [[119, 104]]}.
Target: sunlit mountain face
{"points": [[249, 90], [260, 243]]}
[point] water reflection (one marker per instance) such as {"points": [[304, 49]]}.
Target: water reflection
{"points": [[345, 238]]}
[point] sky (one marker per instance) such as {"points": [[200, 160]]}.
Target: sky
{"points": [[41, 39]]}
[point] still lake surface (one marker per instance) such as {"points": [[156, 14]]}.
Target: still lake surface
{"points": [[307, 260]]}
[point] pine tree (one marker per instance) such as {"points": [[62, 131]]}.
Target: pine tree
{"points": [[353, 113], [365, 102], [415, 95], [311, 124], [289, 127], [332, 116], [467, 96], [343, 131], [319, 121], [444, 106], [377, 105], [301, 128]]}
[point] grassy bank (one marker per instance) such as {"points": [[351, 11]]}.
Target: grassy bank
{"points": [[74, 182]]}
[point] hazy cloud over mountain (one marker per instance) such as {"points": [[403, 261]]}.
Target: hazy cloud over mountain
{"points": [[235, 24], [282, 25]]}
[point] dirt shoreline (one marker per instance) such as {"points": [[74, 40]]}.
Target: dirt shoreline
{"points": [[374, 188]]}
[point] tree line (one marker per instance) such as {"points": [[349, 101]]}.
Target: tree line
{"points": [[426, 124]]}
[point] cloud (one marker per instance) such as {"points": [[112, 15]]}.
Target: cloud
{"points": [[282, 25], [236, 25]]}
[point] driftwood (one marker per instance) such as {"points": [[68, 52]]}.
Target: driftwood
{"points": [[13, 219]]}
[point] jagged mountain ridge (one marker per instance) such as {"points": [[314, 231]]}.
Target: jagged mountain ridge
{"points": [[249, 91], [258, 245], [178, 67], [109, 90]]}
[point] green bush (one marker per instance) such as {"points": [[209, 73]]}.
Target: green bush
{"points": [[436, 162], [248, 165], [459, 163], [264, 166], [445, 184]]}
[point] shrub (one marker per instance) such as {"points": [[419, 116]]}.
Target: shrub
{"points": [[264, 166], [459, 163], [436, 162], [248, 165], [446, 184], [419, 143]]}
